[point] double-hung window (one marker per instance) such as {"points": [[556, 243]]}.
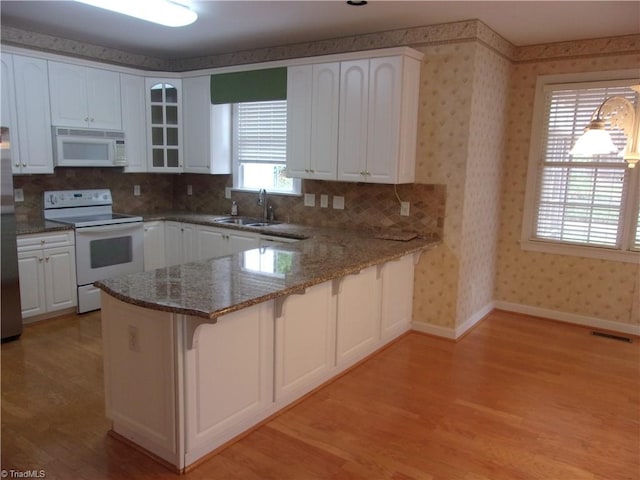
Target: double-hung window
{"points": [[586, 206], [260, 147]]}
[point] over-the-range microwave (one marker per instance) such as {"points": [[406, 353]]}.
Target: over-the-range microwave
{"points": [[76, 147]]}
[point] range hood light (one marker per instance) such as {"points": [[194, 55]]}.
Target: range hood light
{"points": [[162, 12]]}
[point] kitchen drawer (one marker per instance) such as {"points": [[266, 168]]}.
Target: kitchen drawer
{"points": [[40, 240]]}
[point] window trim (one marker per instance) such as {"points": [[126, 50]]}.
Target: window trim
{"points": [[630, 210], [236, 170]]}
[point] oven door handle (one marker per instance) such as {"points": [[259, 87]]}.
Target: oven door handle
{"points": [[109, 228]]}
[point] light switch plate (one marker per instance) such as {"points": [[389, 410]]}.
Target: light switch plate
{"points": [[338, 203], [309, 199], [324, 201], [404, 208], [227, 192], [18, 195], [136, 190], [189, 189]]}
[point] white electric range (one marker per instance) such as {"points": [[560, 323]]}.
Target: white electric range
{"points": [[107, 244]]}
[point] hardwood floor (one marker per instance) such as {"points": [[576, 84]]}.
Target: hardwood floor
{"points": [[517, 398]]}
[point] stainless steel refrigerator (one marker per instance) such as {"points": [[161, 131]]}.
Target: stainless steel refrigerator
{"points": [[11, 327]]}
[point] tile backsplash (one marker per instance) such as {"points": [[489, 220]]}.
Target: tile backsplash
{"points": [[365, 205]]}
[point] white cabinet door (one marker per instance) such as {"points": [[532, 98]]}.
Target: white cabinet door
{"points": [[228, 376], [60, 278], [211, 242], [134, 122], [154, 247], [354, 105], [397, 297], [8, 113], [32, 289], [180, 243], [312, 120], [173, 243], [35, 146], [189, 243], [299, 88], [358, 325], [305, 342], [383, 135], [324, 121], [207, 129], [84, 97], [164, 130], [238, 242]]}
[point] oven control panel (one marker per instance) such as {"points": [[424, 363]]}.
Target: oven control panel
{"points": [[77, 198]]}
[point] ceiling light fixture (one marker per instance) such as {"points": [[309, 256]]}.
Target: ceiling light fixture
{"points": [[163, 12], [620, 113]]}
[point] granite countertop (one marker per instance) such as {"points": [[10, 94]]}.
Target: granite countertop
{"points": [[215, 287], [40, 226]]}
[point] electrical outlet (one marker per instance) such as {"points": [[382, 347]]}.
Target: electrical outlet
{"points": [[18, 195], [136, 190], [189, 189], [227, 192], [404, 208], [324, 201], [309, 199], [134, 341], [338, 203]]}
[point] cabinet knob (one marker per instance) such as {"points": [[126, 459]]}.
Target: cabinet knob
{"points": [[42, 242], [92, 119], [367, 173], [312, 171], [17, 164], [46, 259], [40, 259], [24, 164], [86, 119], [362, 173]]}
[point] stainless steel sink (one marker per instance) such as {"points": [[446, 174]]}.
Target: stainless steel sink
{"points": [[244, 221], [238, 220]]}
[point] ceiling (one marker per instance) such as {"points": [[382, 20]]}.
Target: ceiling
{"points": [[231, 26]]}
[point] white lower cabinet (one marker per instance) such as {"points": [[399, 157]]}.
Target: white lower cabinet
{"points": [[47, 271], [182, 386], [228, 376], [305, 341], [154, 245], [358, 316], [180, 243], [396, 309], [218, 242]]}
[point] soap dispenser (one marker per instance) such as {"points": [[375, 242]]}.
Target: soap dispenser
{"points": [[234, 208]]}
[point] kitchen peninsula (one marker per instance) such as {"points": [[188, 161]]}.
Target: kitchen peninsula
{"points": [[195, 354]]}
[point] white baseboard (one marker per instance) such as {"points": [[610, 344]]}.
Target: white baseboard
{"points": [[453, 333], [583, 320]]}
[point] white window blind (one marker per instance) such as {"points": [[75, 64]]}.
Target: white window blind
{"points": [[260, 147], [581, 200], [261, 132]]}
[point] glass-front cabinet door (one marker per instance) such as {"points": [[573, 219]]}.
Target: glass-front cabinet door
{"points": [[164, 138]]}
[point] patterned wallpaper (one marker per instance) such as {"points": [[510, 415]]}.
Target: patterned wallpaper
{"points": [[461, 140], [595, 288]]}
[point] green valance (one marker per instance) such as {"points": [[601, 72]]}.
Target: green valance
{"points": [[249, 86]]}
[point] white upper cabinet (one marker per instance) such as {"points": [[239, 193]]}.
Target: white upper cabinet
{"points": [[378, 120], [32, 149], [207, 129], [354, 120], [8, 116], [312, 121], [134, 121], [354, 108], [84, 97], [164, 125]]}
